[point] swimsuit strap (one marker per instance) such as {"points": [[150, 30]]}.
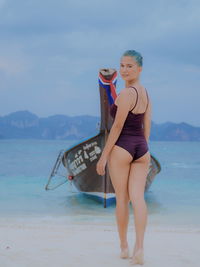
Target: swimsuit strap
{"points": [[136, 98], [147, 99]]}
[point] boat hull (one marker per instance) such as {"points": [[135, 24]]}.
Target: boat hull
{"points": [[81, 161]]}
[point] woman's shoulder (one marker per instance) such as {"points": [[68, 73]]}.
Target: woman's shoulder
{"points": [[125, 95], [127, 91]]}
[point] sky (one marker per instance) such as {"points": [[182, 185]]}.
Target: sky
{"points": [[51, 53]]}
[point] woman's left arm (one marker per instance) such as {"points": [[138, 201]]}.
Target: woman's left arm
{"points": [[123, 107]]}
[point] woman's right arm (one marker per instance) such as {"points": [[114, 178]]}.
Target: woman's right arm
{"points": [[147, 121]]}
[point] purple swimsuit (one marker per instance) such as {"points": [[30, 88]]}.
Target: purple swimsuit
{"points": [[132, 136]]}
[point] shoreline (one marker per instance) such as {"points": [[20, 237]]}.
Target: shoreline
{"points": [[87, 220]]}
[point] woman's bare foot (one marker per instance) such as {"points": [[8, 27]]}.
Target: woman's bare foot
{"points": [[138, 257], [124, 251]]}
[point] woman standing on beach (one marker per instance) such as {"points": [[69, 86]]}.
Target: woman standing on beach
{"points": [[127, 154]]}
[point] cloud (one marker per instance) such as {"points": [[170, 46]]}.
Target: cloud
{"points": [[11, 66], [2, 2], [52, 51]]}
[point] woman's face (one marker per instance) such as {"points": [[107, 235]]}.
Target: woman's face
{"points": [[129, 69]]}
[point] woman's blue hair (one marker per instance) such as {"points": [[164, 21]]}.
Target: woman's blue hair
{"points": [[137, 56]]}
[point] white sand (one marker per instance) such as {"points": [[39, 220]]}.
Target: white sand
{"points": [[37, 242]]}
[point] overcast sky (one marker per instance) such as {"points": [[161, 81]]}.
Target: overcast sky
{"points": [[51, 52]]}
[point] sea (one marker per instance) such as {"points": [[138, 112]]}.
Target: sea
{"points": [[173, 198]]}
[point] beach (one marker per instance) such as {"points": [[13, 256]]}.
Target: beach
{"points": [[64, 228], [46, 242]]}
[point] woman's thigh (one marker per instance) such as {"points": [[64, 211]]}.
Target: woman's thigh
{"points": [[137, 177], [119, 166]]}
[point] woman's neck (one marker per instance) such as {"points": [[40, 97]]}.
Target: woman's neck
{"points": [[132, 83]]}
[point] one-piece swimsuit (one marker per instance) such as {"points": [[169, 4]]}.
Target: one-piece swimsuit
{"points": [[132, 136]]}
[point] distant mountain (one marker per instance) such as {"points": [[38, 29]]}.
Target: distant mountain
{"points": [[170, 131], [26, 125]]}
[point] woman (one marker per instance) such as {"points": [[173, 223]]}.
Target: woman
{"points": [[127, 153]]}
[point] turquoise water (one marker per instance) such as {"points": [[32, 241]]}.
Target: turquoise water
{"points": [[173, 198]]}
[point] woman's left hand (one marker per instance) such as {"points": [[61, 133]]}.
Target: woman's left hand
{"points": [[101, 164]]}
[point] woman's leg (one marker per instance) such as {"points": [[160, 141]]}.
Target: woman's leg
{"points": [[119, 167], [137, 180]]}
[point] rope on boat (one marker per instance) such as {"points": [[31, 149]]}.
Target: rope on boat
{"points": [[55, 171]]}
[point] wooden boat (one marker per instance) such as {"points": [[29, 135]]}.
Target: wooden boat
{"points": [[80, 160]]}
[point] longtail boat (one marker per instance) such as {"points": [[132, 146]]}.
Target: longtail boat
{"points": [[80, 160]]}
